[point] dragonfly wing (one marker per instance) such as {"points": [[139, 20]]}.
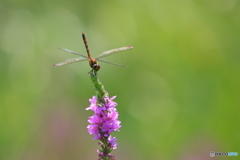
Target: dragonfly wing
{"points": [[111, 63], [113, 51], [72, 60], [73, 52]]}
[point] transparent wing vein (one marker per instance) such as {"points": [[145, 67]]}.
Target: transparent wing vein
{"points": [[113, 51], [67, 50], [69, 61], [111, 63]]}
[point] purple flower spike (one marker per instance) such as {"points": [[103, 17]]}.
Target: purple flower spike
{"points": [[103, 123]]}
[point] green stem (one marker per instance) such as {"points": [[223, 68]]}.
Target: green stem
{"points": [[98, 86]]}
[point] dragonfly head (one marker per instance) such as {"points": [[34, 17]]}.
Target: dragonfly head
{"points": [[96, 67]]}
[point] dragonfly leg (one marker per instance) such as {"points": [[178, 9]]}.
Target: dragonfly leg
{"points": [[93, 72], [90, 72]]}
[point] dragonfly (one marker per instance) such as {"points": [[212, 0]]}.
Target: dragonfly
{"points": [[92, 61]]}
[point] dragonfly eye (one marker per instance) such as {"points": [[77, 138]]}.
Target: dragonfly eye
{"points": [[96, 67]]}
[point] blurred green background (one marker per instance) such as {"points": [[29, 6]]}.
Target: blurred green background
{"points": [[179, 98]]}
